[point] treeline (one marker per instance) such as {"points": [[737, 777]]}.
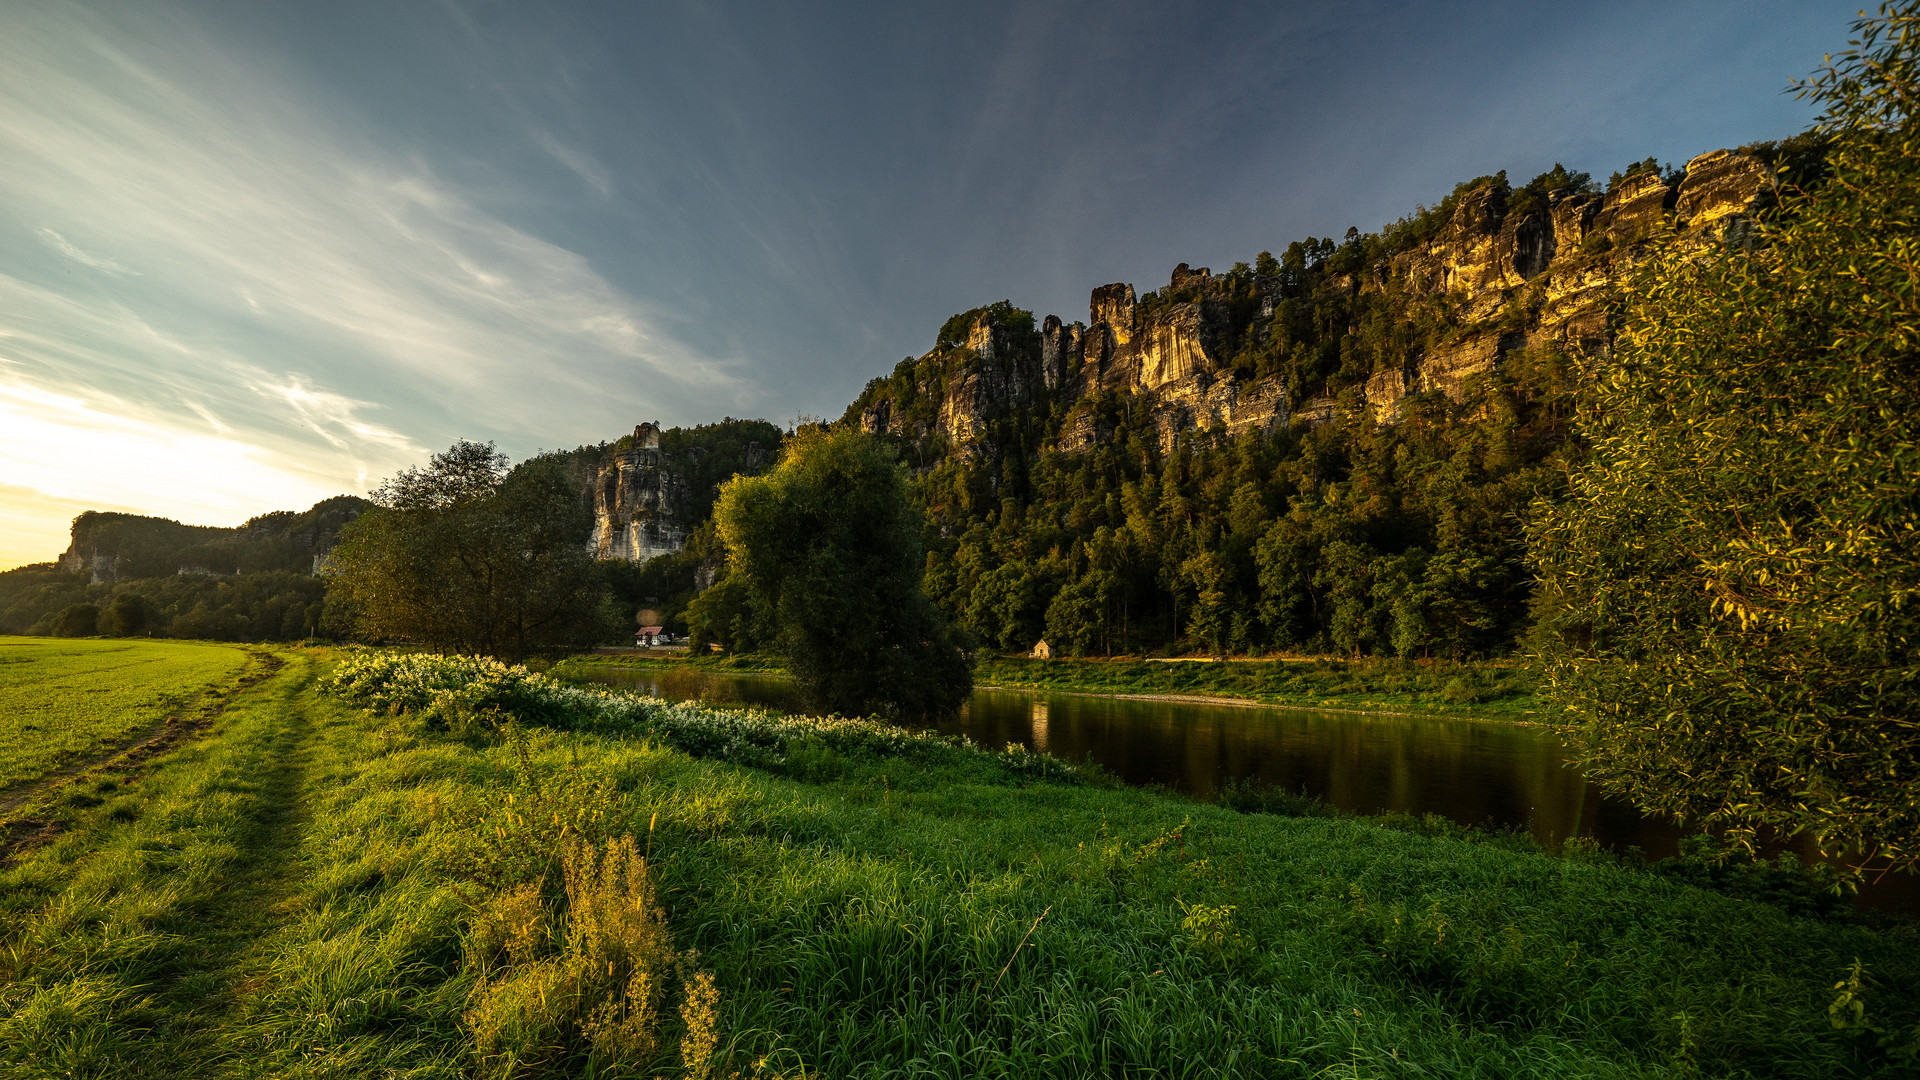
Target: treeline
{"points": [[268, 605], [127, 575], [1343, 537]]}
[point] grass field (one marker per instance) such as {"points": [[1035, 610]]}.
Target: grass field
{"points": [[62, 698], [316, 890]]}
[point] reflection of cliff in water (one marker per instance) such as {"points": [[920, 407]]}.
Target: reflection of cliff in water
{"points": [[1476, 773]]}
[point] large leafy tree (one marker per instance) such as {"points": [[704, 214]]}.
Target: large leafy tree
{"points": [[468, 555], [828, 546], [1732, 583]]}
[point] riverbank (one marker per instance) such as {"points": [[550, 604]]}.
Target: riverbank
{"points": [[1484, 691], [446, 870]]}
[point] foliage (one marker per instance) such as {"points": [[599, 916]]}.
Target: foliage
{"points": [[466, 555], [454, 691], [1733, 587], [828, 547], [1555, 182], [1347, 537], [589, 977]]}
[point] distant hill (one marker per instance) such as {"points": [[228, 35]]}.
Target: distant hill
{"points": [[128, 574]]}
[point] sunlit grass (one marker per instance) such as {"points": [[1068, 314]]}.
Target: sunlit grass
{"points": [[60, 698], [319, 891]]}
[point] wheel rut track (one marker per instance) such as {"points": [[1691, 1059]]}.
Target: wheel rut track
{"points": [[21, 836]]}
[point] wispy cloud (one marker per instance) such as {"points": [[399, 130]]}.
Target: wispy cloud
{"points": [[580, 164], [286, 255], [334, 416], [67, 248]]}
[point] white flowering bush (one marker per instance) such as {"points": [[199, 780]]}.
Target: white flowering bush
{"points": [[458, 689]]}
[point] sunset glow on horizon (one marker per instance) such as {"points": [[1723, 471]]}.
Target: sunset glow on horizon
{"points": [[253, 259]]}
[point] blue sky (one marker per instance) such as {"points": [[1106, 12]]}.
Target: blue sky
{"points": [[256, 254]]}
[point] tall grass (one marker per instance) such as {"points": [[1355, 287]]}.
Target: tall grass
{"points": [[523, 899]]}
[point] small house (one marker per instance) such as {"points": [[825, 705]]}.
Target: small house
{"points": [[1042, 651]]}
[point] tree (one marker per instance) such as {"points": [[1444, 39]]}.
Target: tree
{"points": [[469, 556], [1732, 589], [828, 544], [78, 620]]}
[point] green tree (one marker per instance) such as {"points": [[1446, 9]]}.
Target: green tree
{"points": [[466, 555], [828, 543], [1733, 586], [1211, 621], [78, 620], [126, 615]]}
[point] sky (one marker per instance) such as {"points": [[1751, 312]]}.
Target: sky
{"points": [[256, 254]]}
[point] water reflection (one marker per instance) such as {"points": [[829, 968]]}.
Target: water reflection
{"points": [[1483, 774], [1504, 775]]}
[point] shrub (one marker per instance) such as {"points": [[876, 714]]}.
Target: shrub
{"points": [[589, 978]]}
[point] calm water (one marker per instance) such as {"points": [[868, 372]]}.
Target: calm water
{"points": [[1476, 773]]}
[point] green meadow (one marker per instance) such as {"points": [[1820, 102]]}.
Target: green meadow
{"points": [[62, 699], [467, 870]]}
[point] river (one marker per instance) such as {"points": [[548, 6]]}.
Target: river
{"points": [[1481, 773]]}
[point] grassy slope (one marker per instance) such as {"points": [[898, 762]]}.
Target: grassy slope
{"points": [[63, 697], [1489, 691], [290, 898], [1502, 691]]}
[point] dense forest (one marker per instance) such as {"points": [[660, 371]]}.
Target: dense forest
{"points": [[1345, 536], [1341, 537]]}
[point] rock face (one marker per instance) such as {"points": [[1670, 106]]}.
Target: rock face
{"points": [[637, 502], [1508, 273]]}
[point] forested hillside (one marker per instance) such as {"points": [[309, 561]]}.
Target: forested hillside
{"points": [[126, 575], [1334, 450]]}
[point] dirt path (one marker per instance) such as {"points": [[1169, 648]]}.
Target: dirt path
{"points": [[230, 928], [209, 854], [129, 752]]}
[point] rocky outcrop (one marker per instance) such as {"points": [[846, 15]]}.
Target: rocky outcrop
{"points": [[1385, 391], [991, 377], [637, 501], [1556, 263], [1504, 272], [1061, 347], [1112, 307], [1206, 401], [1719, 185]]}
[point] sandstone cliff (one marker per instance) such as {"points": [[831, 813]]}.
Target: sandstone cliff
{"points": [[650, 490], [1429, 309], [637, 504]]}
